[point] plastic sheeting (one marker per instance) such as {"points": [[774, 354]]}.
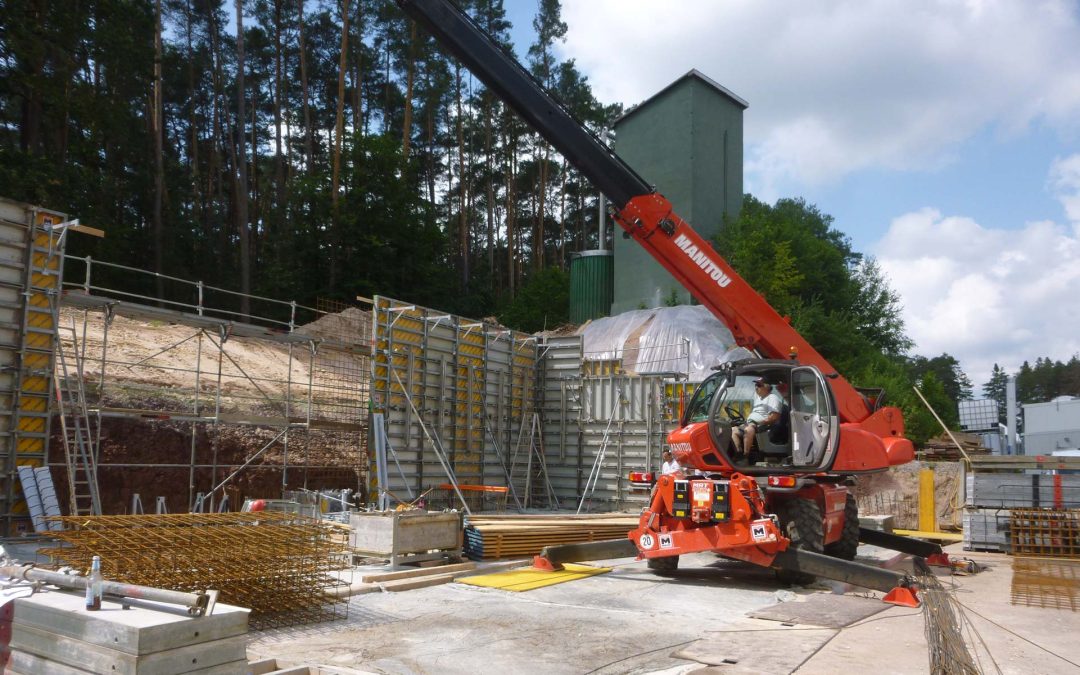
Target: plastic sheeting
{"points": [[686, 339]]}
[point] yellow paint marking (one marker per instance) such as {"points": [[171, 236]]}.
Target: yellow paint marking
{"points": [[529, 578]]}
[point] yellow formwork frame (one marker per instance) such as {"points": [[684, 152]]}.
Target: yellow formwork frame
{"points": [[32, 391], [927, 508]]}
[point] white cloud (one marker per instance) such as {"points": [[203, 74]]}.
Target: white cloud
{"points": [[990, 295], [835, 87], [1065, 182]]}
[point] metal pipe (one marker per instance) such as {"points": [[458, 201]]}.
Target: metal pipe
{"points": [[197, 604], [848, 571], [593, 550], [916, 547]]}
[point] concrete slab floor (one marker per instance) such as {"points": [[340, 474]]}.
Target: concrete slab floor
{"points": [[630, 621]]}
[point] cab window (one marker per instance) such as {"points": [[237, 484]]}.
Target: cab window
{"points": [[698, 410], [806, 394]]}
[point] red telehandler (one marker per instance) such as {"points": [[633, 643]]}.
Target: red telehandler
{"points": [[788, 505]]}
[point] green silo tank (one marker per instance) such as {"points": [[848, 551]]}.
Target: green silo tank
{"points": [[592, 275]]}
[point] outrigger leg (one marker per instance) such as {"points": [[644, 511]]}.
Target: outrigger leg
{"points": [[916, 547]]}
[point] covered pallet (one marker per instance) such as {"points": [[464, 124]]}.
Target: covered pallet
{"points": [[1016, 490], [494, 537]]}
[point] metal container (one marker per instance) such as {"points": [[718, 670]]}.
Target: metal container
{"points": [[591, 285], [407, 536]]}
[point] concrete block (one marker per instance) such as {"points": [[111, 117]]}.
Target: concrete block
{"points": [[105, 660], [880, 523], [145, 628], [262, 666], [25, 662]]}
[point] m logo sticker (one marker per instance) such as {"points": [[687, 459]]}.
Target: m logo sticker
{"points": [[666, 541], [758, 532]]}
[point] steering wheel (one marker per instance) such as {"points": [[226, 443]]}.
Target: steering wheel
{"points": [[720, 432], [735, 416]]}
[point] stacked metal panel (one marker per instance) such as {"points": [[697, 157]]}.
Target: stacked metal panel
{"points": [[592, 413], [494, 407], [986, 530], [1007, 499], [1023, 490], [31, 257], [458, 397]]}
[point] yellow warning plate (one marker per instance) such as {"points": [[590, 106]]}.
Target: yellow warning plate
{"points": [[528, 578]]}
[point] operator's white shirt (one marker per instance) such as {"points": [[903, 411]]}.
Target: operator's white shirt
{"points": [[670, 467], [765, 406]]}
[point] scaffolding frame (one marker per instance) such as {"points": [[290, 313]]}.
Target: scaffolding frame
{"points": [[322, 396]]}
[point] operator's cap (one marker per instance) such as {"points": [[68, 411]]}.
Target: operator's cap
{"points": [[761, 380]]}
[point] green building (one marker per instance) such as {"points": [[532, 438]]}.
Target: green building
{"points": [[687, 140]]}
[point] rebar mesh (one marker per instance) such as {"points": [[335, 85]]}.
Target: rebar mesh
{"points": [[1050, 584], [279, 565], [1045, 532], [904, 508]]}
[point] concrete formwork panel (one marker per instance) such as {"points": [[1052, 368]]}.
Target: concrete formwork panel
{"points": [[444, 381]]}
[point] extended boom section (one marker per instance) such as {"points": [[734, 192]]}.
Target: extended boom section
{"points": [[501, 73], [817, 432], [646, 216]]}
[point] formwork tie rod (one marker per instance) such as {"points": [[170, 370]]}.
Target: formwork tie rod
{"points": [[197, 604]]}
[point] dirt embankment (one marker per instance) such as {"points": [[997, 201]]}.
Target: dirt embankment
{"points": [[167, 370], [896, 492]]}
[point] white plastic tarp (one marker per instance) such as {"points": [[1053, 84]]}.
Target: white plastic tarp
{"points": [[686, 339]]}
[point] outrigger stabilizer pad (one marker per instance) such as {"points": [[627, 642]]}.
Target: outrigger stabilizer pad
{"points": [[542, 563], [939, 560], [904, 596]]}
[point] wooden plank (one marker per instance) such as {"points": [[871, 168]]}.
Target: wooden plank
{"points": [[1016, 462], [422, 572], [416, 582], [938, 536]]}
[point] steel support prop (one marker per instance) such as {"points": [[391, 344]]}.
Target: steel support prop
{"points": [[197, 604]]}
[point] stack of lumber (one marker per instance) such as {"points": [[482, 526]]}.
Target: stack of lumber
{"points": [[515, 536], [941, 447]]}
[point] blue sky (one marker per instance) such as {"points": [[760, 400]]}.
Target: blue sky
{"points": [[1001, 183], [942, 136]]}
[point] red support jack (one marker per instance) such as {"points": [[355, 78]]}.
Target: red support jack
{"points": [[902, 596], [543, 564]]}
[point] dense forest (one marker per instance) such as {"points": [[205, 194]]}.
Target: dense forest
{"points": [[306, 149], [290, 148], [1044, 381]]}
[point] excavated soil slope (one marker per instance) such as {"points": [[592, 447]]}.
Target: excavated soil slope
{"points": [[154, 366]]}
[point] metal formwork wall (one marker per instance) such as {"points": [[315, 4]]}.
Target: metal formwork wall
{"points": [[625, 417], [467, 386], [31, 267]]}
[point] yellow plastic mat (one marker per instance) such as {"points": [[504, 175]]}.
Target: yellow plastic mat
{"points": [[528, 578]]}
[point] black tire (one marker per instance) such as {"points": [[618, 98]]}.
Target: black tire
{"points": [[663, 566], [848, 545], [800, 520]]}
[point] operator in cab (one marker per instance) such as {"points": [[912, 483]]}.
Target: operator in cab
{"points": [[669, 465], [765, 411]]}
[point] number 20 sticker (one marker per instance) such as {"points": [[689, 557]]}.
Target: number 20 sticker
{"points": [[646, 541]]}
